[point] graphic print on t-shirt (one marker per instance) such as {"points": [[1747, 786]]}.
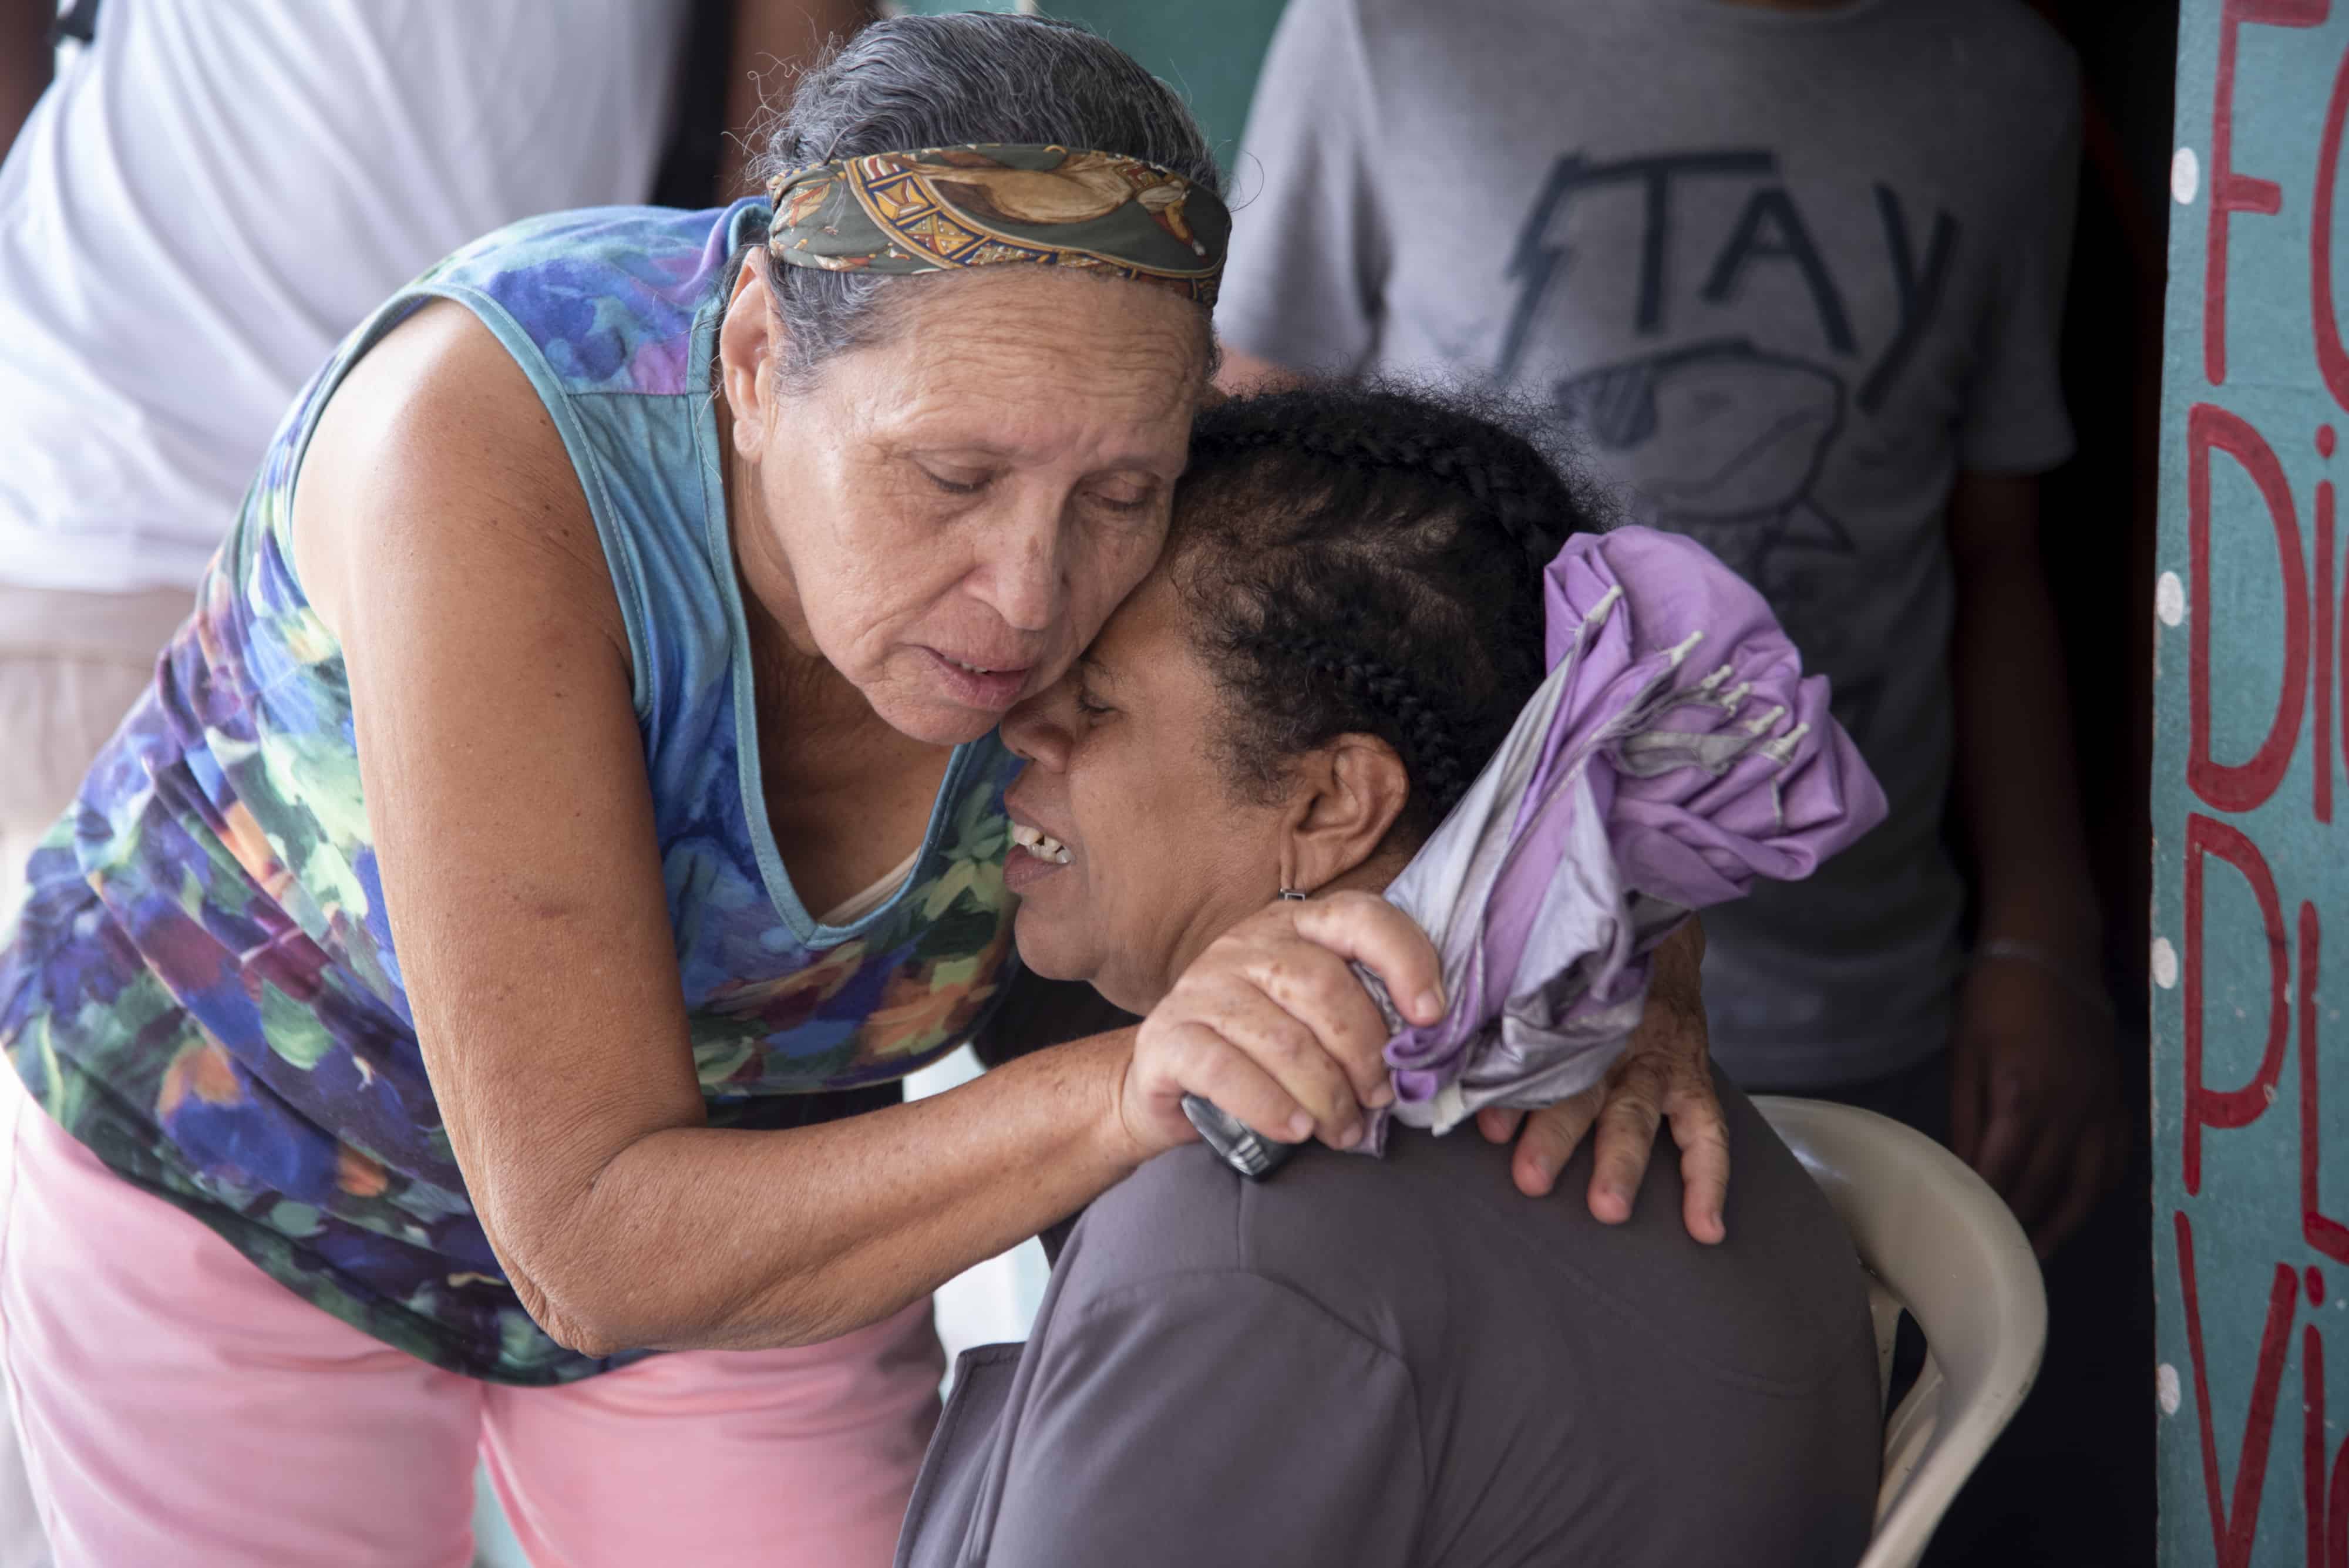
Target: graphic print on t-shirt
{"points": [[1724, 437], [1722, 441]]}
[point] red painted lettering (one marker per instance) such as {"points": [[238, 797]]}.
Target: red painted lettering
{"points": [[2233, 1528], [2231, 193], [2241, 786], [2206, 1106]]}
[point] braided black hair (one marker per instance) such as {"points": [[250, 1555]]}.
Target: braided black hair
{"points": [[1366, 558]]}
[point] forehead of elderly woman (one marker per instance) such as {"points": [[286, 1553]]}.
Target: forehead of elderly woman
{"points": [[945, 477]]}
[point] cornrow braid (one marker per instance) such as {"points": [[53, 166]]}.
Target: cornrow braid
{"points": [[1492, 479], [1429, 749], [1366, 558]]}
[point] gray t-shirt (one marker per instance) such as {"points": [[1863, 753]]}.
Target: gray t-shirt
{"points": [[1787, 273], [1406, 1363]]}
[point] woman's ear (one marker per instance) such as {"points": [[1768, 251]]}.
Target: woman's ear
{"points": [[745, 357], [1349, 795]]}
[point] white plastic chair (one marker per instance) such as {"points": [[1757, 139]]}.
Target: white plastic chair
{"points": [[1939, 1242]]}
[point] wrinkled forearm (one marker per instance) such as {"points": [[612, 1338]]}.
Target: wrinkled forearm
{"points": [[694, 1238]]}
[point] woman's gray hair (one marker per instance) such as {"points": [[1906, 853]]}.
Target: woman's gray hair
{"points": [[912, 82]]}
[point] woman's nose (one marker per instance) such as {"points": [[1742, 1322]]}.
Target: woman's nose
{"points": [[1024, 579], [1036, 730]]}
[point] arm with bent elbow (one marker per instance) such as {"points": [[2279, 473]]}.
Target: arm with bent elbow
{"points": [[443, 539], [442, 536]]}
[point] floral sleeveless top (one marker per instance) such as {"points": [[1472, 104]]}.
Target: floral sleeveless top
{"points": [[202, 986]]}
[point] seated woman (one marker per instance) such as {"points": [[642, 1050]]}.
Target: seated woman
{"points": [[1371, 1361]]}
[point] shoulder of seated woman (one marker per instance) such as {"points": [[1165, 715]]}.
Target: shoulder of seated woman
{"points": [[1407, 1250], [436, 439]]}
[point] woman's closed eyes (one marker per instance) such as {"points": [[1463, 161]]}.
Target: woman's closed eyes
{"points": [[955, 486], [1087, 704], [1129, 501], [1126, 501]]}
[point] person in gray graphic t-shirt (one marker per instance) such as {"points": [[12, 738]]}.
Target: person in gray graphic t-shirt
{"points": [[1794, 273]]}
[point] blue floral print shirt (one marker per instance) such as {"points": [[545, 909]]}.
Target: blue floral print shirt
{"points": [[203, 985]]}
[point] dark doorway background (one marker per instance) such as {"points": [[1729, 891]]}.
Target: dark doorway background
{"points": [[2075, 1482]]}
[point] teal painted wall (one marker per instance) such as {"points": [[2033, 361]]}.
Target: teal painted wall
{"points": [[2250, 913], [1209, 49]]}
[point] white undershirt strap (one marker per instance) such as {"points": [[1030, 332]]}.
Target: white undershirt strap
{"points": [[859, 905]]}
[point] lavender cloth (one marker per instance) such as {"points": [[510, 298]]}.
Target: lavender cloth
{"points": [[1675, 753]]}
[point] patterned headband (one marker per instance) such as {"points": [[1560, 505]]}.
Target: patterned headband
{"points": [[943, 208]]}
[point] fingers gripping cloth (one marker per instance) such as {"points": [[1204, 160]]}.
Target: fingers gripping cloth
{"points": [[1675, 753]]}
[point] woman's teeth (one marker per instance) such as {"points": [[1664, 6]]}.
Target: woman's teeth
{"points": [[973, 669], [1039, 844]]}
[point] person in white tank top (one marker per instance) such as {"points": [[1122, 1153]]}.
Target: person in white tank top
{"points": [[198, 207], [204, 200]]}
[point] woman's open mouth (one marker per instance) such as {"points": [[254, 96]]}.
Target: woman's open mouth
{"points": [[1039, 844], [978, 686], [1034, 855]]}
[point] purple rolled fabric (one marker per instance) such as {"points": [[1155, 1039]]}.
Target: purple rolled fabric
{"points": [[1675, 753]]}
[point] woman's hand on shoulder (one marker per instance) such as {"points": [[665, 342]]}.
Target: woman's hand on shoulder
{"points": [[1271, 1023], [1664, 1075]]}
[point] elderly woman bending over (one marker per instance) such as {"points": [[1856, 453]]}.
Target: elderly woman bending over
{"points": [[1399, 1363], [488, 953]]}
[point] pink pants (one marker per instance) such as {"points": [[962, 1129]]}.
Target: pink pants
{"points": [[179, 1407]]}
